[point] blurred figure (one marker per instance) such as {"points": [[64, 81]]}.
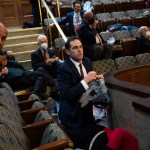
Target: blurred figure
{"points": [[143, 40], [73, 19], [93, 45]]}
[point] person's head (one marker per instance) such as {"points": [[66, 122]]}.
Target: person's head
{"points": [[89, 17], [74, 48], [3, 35], [42, 41], [143, 31], [77, 6]]}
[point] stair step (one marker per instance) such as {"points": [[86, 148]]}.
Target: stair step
{"points": [[21, 39], [22, 47], [28, 31], [26, 64], [26, 55]]}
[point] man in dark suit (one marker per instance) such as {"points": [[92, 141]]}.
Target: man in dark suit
{"points": [[79, 122], [45, 60], [144, 40], [16, 76], [73, 19], [93, 45], [73, 76]]}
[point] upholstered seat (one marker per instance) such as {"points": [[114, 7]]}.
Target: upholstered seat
{"points": [[143, 58], [125, 62], [103, 66]]}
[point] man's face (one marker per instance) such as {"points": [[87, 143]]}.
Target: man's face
{"points": [[3, 35], [76, 50], [77, 8]]}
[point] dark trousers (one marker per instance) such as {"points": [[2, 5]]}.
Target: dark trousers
{"points": [[83, 136], [30, 78]]}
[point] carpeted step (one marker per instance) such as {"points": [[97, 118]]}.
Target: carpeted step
{"points": [[28, 31], [21, 39], [26, 55], [22, 47]]}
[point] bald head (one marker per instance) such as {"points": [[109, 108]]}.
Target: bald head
{"points": [[3, 35], [143, 30], [3, 29]]}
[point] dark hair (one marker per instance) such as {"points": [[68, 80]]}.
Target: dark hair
{"points": [[72, 38], [76, 2]]}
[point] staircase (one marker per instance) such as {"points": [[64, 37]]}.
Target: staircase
{"points": [[23, 42]]}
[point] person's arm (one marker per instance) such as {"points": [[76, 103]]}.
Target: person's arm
{"points": [[69, 89]]}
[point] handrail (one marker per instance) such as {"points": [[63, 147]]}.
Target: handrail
{"points": [[54, 20]]}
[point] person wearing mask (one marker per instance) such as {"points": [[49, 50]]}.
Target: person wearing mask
{"points": [[93, 45], [73, 19], [16, 76], [144, 40], [45, 60], [74, 76]]}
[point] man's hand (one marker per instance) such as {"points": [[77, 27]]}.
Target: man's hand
{"points": [[50, 60], [10, 53], [56, 59], [4, 71], [92, 76]]}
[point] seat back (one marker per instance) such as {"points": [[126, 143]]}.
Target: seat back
{"points": [[125, 62], [122, 34], [103, 16], [143, 59], [124, 6], [98, 8], [141, 21], [126, 21], [119, 14], [103, 66], [60, 48], [140, 4], [106, 35], [42, 115], [133, 13], [10, 121], [7, 102], [135, 33], [64, 10], [129, 47], [8, 141], [52, 133], [111, 7]]}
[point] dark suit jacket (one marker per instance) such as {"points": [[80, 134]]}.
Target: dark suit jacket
{"points": [[38, 59], [87, 36], [69, 19], [143, 45], [70, 113]]}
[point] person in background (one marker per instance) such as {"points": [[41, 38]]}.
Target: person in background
{"points": [[73, 19], [45, 60], [119, 26], [144, 40], [74, 76], [36, 14], [16, 76], [93, 45]]}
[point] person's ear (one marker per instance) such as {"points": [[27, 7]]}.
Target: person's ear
{"points": [[67, 51]]}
